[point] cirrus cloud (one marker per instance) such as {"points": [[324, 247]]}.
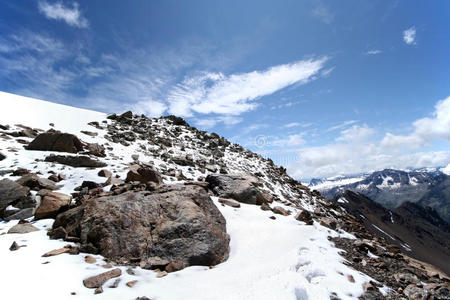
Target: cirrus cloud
{"points": [[58, 11]]}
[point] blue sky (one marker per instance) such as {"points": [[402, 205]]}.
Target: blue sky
{"points": [[322, 87]]}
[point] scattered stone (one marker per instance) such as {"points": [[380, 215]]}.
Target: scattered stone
{"points": [[304, 216], [104, 173], [14, 246], [98, 290], [58, 233], [96, 150], [131, 283], [34, 182], [11, 192], [90, 260], [327, 222], [281, 211], [53, 178], [174, 266], [161, 274], [20, 214], [75, 161], [115, 284], [350, 278], [56, 252], [273, 217], [406, 278], [230, 202], [2, 156], [22, 228], [56, 141], [415, 293], [51, 204], [143, 298], [98, 280], [368, 286], [185, 226], [243, 188], [89, 133], [20, 172], [143, 174], [130, 271]]}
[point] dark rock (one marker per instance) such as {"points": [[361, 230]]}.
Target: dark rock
{"points": [[2, 156], [20, 214], [280, 211], [90, 133], [75, 161], [11, 192], [243, 188], [143, 174], [56, 141], [98, 280], [104, 173], [304, 216], [175, 223], [14, 246], [34, 182], [51, 205], [128, 115], [96, 150]]}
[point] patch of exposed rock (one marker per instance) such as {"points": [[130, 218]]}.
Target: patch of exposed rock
{"points": [[12, 193], [56, 141], [75, 161], [176, 225]]}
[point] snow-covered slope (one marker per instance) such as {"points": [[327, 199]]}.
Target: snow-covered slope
{"points": [[279, 258]]}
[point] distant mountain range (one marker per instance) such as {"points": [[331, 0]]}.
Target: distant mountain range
{"points": [[419, 232], [427, 187]]}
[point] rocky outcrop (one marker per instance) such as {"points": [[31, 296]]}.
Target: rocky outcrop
{"points": [[11, 193], [176, 224], [51, 204], [243, 188], [56, 141], [75, 161]]}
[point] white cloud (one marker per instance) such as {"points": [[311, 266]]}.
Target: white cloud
{"points": [[58, 11], [425, 131], [409, 36], [207, 123], [356, 134], [235, 94], [297, 124], [342, 125], [150, 108], [323, 13], [373, 52]]}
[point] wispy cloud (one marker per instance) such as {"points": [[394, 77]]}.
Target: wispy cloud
{"points": [[373, 52], [323, 13], [297, 124], [58, 11], [236, 93], [409, 36], [342, 125]]}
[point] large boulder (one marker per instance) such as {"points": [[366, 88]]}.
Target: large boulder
{"points": [[176, 224], [34, 182], [244, 188], [51, 204], [11, 193], [75, 161], [143, 174], [56, 141]]}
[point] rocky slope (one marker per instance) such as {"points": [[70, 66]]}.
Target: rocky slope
{"points": [[173, 213], [418, 232], [391, 188]]}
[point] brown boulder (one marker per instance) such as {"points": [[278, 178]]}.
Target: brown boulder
{"points": [[22, 228], [10, 193], [177, 223], [96, 150], [143, 174], [56, 141], [75, 161], [51, 204], [304, 216], [98, 280], [230, 202]]}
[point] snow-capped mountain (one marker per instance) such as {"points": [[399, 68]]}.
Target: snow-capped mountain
{"points": [[391, 187], [130, 207]]}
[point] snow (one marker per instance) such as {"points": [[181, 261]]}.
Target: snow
{"points": [[342, 200], [446, 170], [330, 183], [269, 259], [378, 228]]}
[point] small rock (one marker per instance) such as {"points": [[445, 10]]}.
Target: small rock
{"points": [[230, 202], [143, 298], [115, 284], [368, 286], [56, 252], [14, 246], [89, 259], [272, 217], [281, 211], [130, 271], [131, 283], [143, 174], [104, 173], [98, 290], [350, 278], [22, 228], [327, 222], [98, 280], [304, 216], [413, 292], [161, 274]]}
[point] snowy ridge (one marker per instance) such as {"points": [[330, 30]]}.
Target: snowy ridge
{"points": [[269, 259]]}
